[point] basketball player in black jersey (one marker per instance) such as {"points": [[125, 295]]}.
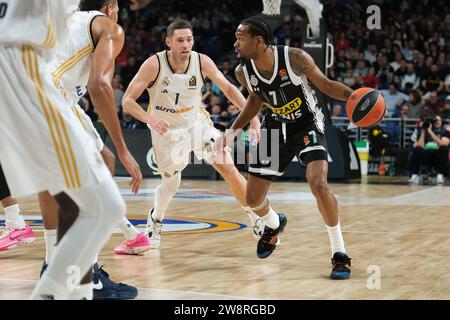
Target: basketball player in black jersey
{"points": [[276, 77]]}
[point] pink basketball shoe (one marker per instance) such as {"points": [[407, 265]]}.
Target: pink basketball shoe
{"points": [[11, 238], [136, 246]]}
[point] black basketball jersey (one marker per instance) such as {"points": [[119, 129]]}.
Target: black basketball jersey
{"points": [[287, 97]]}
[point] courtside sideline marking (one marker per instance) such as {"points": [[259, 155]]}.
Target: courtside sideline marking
{"points": [[433, 196], [155, 293]]}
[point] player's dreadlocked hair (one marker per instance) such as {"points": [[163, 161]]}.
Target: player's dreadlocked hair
{"points": [[259, 27], [89, 5]]}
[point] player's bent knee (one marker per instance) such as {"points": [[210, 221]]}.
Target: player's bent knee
{"points": [[172, 183], [318, 184]]}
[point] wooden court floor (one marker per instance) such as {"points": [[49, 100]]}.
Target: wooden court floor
{"points": [[397, 236]]}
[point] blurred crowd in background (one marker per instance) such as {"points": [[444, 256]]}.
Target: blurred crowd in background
{"points": [[407, 60]]}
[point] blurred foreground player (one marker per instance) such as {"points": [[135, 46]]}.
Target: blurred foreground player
{"points": [[65, 161]]}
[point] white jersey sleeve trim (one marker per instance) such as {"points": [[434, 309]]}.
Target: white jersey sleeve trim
{"points": [[247, 79], [157, 75], [296, 80]]}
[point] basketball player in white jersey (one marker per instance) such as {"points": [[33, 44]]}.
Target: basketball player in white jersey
{"points": [[178, 122], [44, 146], [70, 70]]}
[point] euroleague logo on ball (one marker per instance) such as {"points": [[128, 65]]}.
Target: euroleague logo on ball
{"points": [[365, 107]]}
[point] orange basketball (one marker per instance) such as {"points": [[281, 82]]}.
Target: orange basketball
{"points": [[365, 107]]}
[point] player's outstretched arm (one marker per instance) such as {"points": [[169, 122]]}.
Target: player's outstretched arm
{"points": [[110, 38], [303, 63], [233, 94], [145, 77]]}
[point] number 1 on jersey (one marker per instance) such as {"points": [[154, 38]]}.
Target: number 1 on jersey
{"points": [[176, 99]]}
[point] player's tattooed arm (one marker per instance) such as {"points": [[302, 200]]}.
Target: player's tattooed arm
{"points": [[303, 64], [347, 94]]}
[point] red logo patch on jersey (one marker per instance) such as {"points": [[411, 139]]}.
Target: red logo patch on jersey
{"points": [[282, 73]]}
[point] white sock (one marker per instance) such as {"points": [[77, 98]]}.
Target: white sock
{"points": [[50, 243], [336, 239], [13, 217], [156, 215], [253, 216], [84, 292], [127, 228], [271, 219]]}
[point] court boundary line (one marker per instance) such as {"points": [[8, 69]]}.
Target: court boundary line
{"points": [[222, 296]]}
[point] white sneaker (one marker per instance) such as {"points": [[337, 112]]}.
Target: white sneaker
{"points": [[258, 230], [440, 179], [153, 232], [415, 179]]}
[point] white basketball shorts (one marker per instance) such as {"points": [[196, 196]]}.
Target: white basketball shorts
{"points": [[43, 146], [172, 150]]}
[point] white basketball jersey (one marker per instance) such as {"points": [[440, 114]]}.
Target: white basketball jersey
{"points": [[71, 64], [176, 97], [39, 23]]}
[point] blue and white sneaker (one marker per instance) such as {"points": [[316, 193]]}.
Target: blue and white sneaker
{"points": [[105, 289], [269, 239], [342, 265]]}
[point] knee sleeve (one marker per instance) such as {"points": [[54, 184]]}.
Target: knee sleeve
{"points": [[165, 192], [4, 189], [171, 184]]}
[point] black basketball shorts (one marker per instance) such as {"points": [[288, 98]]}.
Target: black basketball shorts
{"points": [[274, 152]]}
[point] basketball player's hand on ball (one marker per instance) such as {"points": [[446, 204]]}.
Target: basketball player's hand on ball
{"points": [[255, 130], [159, 125], [132, 168]]}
